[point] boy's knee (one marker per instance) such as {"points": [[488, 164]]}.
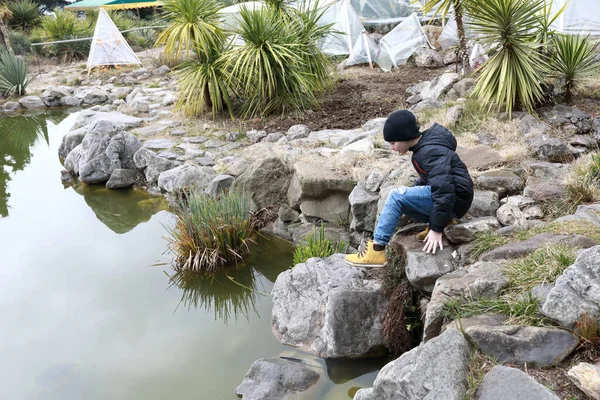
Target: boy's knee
{"points": [[397, 193]]}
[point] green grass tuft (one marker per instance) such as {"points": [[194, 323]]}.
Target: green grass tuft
{"points": [[317, 245], [210, 232], [486, 241]]}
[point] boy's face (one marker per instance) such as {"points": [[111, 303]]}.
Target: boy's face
{"points": [[400, 147]]}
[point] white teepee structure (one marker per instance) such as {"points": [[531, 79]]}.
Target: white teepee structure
{"points": [[109, 47]]}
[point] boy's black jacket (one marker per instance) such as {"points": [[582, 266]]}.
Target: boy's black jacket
{"points": [[435, 159]]}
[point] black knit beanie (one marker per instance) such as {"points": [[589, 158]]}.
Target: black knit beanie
{"points": [[401, 126]]}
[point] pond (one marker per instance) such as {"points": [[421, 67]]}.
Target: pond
{"points": [[91, 309]]}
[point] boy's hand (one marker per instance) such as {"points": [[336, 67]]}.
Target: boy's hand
{"points": [[432, 241]]}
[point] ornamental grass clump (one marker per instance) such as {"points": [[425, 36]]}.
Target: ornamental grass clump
{"points": [[317, 245], [210, 232]]}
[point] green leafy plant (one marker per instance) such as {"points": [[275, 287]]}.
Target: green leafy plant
{"points": [[13, 75], [274, 69], [574, 59], [20, 43], [209, 232], [514, 73], [193, 29], [25, 15], [66, 26], [317, 245]]}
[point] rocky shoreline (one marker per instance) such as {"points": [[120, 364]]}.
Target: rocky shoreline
{"points": [[341, 178]]}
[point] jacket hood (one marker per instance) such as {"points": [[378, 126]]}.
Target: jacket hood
{"points": [[437, 135]]}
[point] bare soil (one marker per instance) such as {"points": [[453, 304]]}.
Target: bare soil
{"points": [[360, 94]]}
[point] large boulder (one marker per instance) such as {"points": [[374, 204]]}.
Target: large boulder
{"points": [[265, 182], [503, 182], [123, 121], [329, 309], [122, 178], [462, 88], [530, 126], [219, 184], [525, 247], [531, 345], [465, 231], [151, 164], [482, 279], [428, 58], [550, 149], [275, 378], [485, 203], [503, 383], [96, 96], [423, 269], [435, 370], [71, 140], [31, 102], [480, 157], [577, 291], [541, 189], [104, 148], [52, 95], [567, 118], [363, 209], [587, 378], [433, 90], [187, 176]]}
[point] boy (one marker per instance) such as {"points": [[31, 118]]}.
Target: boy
{"points": [[443, 191]]}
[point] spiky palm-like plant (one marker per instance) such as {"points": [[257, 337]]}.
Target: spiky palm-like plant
{"points": [[574, 59], [515, 70], [193, 29], [13, 75], [25, 15], [461, 9]]}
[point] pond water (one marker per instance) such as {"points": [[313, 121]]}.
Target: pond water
{"points": [[91, 309]]}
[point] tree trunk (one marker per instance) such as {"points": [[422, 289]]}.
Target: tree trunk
{"points": [[462, 37], [4, 38]]}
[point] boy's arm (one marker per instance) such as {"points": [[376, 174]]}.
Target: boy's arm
{"points": [[439, 173]]}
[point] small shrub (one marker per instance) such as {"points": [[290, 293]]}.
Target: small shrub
{"points": [[13, 75], [20, 43], [317, 245], [210, 232], [25, 15]]}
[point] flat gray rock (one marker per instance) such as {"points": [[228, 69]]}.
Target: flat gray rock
{"points": [[329, 309], [187, 176], [549, 149], [480, 157], [251, 179], [487, 319], [503, 182], [541, 189], [156, 144], [275, 378], [531, 345], [123, 121], [219, 184], [436, 370], [485, 203], [423, 269], [503, 383], [587, 378], [577, 291], [524, 247], [465, 232], [482, 279]]}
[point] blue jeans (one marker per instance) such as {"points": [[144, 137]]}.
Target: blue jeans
{"points": [[414, 202]]}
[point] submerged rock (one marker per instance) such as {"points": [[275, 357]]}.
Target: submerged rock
{"points": [[435, 370], [330, 309], [275, 378]]}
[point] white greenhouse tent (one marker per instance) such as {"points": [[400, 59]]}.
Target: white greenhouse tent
{"points": [[347, 26], [396, 47], [109, 47], [230, 16], [579, 17]]}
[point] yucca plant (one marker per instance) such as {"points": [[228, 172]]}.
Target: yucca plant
{"points": [[273, 71], [192, 29], [20, 42], [25, 15], [574, 59], [209, 232], [13, 75], [546, 20], [64, 26], [514, 73], [317, 245]]}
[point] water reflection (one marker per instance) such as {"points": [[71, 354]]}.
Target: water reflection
{"points": [[233, 292], [17, 137], [121, 210]]}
